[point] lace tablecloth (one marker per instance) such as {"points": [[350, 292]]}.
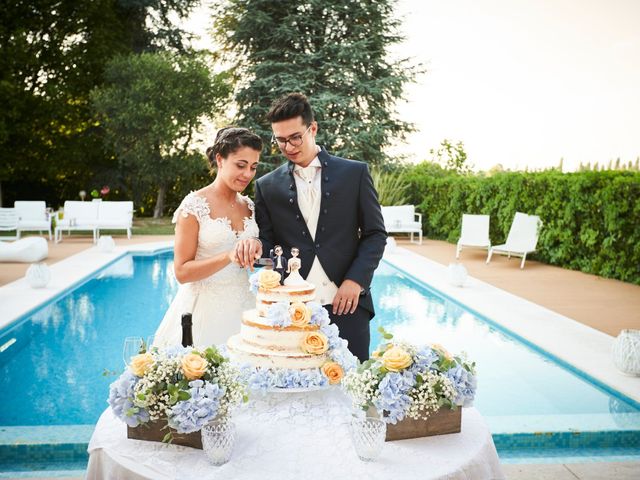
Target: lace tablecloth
{"points": [[297, 436]]}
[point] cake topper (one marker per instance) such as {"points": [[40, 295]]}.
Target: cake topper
{"points": [[293, 267], [279, 261]]}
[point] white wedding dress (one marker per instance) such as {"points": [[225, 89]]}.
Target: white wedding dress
{"points": [[216, 302]]}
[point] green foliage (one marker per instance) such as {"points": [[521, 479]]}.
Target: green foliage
{"points": [[52, 54], [390, 185], [333, 51], [151, 106], [451, 157], [589, 219]]}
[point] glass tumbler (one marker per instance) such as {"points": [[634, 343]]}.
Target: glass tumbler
{"points": [[218, 439], [368, 435]]}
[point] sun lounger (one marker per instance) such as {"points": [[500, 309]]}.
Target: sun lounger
{"points": [[475, 233], [522, 238]]}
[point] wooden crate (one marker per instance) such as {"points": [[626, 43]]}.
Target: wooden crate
{"points": [[442, 422], [155, 432]]}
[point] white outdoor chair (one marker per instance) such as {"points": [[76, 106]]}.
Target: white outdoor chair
{"points": [[115, 216], [27, 250], [9, 222], [33, 216], [403, 219], [522, 238], [81, 216], [475, 233]]}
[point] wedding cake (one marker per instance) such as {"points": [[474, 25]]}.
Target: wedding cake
{"points": [[287, 340]]}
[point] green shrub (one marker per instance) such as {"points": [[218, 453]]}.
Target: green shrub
{"points": [[590, 219]]}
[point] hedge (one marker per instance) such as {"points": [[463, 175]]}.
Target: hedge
{"points": [[590, 219]]}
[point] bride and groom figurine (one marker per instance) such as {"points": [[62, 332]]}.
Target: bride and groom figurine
{"points": [[291, 266]]}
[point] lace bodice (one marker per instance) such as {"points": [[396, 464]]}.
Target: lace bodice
{"points": [[216, 235]]}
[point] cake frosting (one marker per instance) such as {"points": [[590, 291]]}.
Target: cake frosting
{"points": [[286, 341]]}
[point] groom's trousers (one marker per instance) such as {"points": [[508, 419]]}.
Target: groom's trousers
{"points": [[354, 327]]}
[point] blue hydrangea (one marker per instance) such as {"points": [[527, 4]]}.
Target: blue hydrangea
{"points": [[175, 351], [121, 398], [343, 356], [259, 379], [191, 415], [278, 315], [394, 398], [333, 335], [319, 314], [465, 384], [254, 281], [423, 359]]}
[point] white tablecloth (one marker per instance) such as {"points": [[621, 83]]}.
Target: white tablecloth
{"points": [[299, 436]]}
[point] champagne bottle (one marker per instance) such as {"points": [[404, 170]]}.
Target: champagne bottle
{"points": [[187, 335]]}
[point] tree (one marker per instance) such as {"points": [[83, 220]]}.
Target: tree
{"points": [[52, 53], [335, 52], [452, 157], [151, 106]]}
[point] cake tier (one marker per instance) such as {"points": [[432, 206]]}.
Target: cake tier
{"points": [[257, 356], [285, 293], [253, 318]]}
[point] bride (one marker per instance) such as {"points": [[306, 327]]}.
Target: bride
{"points": [[216, 232]]}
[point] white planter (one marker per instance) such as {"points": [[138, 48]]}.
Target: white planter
{"points": [[626, 352], [38, 275], [457, 274], [106, 244]]}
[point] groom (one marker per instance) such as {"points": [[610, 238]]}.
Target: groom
{"points": [[328, 208]]}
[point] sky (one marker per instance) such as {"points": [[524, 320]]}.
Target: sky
{"points": [[522, 83]]}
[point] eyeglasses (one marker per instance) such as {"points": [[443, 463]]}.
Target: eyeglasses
{"points": [[293, 140]]}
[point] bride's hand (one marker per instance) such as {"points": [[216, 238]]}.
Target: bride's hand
{"points": [[233, 258], [248, 251]]}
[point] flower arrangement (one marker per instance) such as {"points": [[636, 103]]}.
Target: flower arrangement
{"points": [[407, 381], [185, 387]]}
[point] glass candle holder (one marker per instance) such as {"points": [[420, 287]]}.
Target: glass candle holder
{"points": [[218, 439], [368, 436]]}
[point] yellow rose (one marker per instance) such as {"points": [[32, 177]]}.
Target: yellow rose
{"points": [[268, 279], [396, 359], [140, 364], [333, 371], [376, 354], [315, 343], [300, 314], [440, 349], [193, 366]]}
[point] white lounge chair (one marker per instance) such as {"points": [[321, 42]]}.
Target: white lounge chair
{"points": [[522, 238], [9, 222], [403, 219], [27, 250], [33, 216], [115, 216], [81, 216], [475, 233]]}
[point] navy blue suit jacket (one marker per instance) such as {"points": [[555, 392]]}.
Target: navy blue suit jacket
{"points": [[350, 237]]}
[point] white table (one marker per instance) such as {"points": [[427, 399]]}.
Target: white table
{"points": [[297, 436]]}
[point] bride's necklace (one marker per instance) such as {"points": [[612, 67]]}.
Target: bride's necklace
{"points": [[233, 203]]}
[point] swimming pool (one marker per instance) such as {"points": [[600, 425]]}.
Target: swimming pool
{"points": [[58, 362]]}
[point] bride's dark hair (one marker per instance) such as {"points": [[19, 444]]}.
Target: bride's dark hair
{"points": [[231, 139]]}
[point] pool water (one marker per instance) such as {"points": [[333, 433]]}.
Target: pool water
{"points": [[58, 362]]}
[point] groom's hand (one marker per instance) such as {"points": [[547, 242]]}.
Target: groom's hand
{"points": [[346, 300], [248, 251]]}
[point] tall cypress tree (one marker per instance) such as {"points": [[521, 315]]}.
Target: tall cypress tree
{"points": [[335, 52]]}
